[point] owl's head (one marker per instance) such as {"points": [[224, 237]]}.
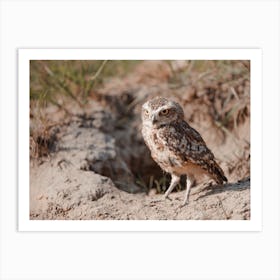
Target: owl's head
{"points": [[161, 111]]}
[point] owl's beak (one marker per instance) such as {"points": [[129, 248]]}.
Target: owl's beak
{"points": [[154, 119]]}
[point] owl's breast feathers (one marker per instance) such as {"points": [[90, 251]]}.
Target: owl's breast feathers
{"points": [[186, 145]]}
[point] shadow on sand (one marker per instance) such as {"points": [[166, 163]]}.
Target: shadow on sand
{"points": [[237, 186]]}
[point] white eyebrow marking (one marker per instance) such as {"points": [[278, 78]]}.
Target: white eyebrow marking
{"points": [[162, 108]]}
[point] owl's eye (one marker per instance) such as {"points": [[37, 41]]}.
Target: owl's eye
{"points": [[164, 112], [146, 112]]}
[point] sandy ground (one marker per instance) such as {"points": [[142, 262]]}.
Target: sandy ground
{"points": [[94, 158], [70, 194]]}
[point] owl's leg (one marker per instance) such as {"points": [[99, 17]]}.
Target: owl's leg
{"points": [[174, 181], [189, 183]]}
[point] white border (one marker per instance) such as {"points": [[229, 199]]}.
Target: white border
{"points": [[25, 55]]}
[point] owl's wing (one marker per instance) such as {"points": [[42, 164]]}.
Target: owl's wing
{"points": [[186, 143]]}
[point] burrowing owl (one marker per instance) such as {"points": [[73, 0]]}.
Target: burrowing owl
{"points": [[176, 146]]}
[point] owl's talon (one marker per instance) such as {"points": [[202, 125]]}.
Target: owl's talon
{"points": [[184, 204], [167, 197]]}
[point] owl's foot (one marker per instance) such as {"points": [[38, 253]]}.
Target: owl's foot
{"points": [[185, 203], [167, 197], [182, 205]]}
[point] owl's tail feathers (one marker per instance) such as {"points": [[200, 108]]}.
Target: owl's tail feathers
{"points": [[218, 173]]}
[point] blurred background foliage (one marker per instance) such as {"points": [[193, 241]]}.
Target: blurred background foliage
{"points": [[51, 81], [54, 81]]}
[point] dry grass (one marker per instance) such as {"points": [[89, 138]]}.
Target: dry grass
{"points": [[56, 81]]}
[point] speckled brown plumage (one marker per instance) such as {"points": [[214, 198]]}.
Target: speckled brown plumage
{"points": [[175, 145]]}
